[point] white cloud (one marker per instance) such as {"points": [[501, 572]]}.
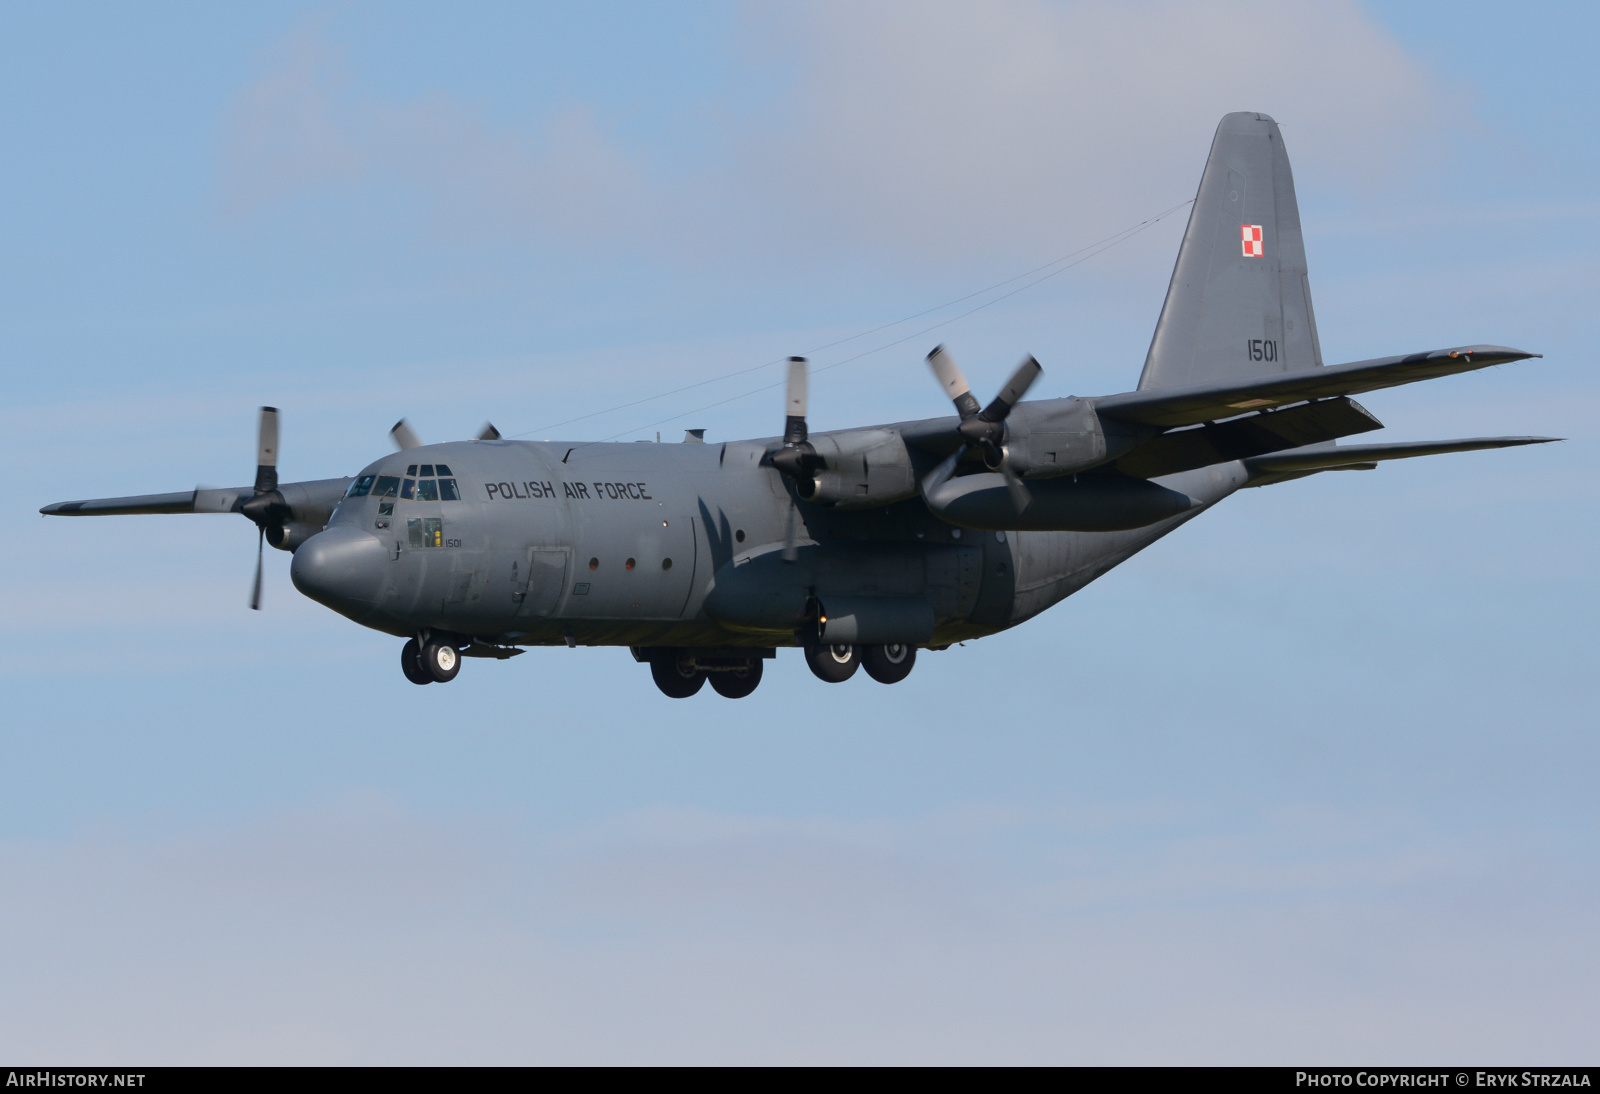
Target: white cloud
{"points": [[927, 126], [284, 132], [903, 129]]}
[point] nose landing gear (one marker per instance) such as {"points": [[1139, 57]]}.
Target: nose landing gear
{"points": [[430, 662]]}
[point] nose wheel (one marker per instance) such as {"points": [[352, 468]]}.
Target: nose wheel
{"points": [[431, 662]]}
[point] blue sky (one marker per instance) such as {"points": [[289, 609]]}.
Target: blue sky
{"points": [[1312, 780]]}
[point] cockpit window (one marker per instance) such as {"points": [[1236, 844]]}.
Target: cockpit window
{"points": [[427, 489], [412, 470], [447, 489], [444, 469], [386, 486], [425, 532], [359, 488], [408, 489], [427, 471]]}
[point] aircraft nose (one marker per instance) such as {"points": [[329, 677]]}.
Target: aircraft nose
{"points": [[341, 568]]}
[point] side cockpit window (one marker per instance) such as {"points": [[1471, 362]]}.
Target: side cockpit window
{"points": [[386, 486], [425, 532], [360, 487]]}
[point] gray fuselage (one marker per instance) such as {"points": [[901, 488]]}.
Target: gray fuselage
{"points": [[651, 545]]}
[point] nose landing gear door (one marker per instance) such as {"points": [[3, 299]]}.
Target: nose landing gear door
{"points": [[542, 581]]}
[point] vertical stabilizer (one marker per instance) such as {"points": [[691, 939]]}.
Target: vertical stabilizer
{"points": [[1239, 305]]}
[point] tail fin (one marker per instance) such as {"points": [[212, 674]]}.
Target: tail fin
{"points": [[1239, 306]]}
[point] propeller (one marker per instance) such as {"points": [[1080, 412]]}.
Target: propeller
{"points": [[265, 506], [404, 437], [796, 459], [983, 429]]}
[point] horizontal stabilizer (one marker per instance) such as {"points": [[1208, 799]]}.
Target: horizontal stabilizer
{"points": [[1278, 466], [1169, 407]]}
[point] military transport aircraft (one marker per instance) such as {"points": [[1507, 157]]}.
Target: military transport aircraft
{"points": [[859, 546]]}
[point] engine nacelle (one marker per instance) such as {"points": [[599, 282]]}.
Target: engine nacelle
{"points": [[311, 505], [289, 536], [861, 469], [1062, 436]]}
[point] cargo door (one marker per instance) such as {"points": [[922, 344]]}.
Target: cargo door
{"points": [[542, 578]]}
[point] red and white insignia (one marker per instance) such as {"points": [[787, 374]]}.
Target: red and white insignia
{"points": [[1250, 238]]}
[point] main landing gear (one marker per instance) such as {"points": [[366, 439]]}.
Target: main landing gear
{"points": [[889, 663], [433, 662], [680, 673]]}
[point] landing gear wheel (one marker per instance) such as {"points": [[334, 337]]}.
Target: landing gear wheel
{"points": [[738, 683], [889, 663], [675, 678], [411, 663], [833, 663], [441, 661]]}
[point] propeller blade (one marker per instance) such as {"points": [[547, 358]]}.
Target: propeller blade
{"points": [[941, 474], [487, 433], [1019, 491], [795, 398], [1016, 387], [267, 450], [791, 535], [255, 595], [955, 385], [403, 436]]}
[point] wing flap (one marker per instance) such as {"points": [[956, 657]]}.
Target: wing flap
{"points": [[1168, 407], [1201, 446]]}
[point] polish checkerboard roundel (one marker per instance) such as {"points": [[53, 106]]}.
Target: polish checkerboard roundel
{"points": [[1250, 239]]}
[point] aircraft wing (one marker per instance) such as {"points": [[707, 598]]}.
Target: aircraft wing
{"points": [[316, 496], [181, 502], [1167, 407], [1279, 466]]}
